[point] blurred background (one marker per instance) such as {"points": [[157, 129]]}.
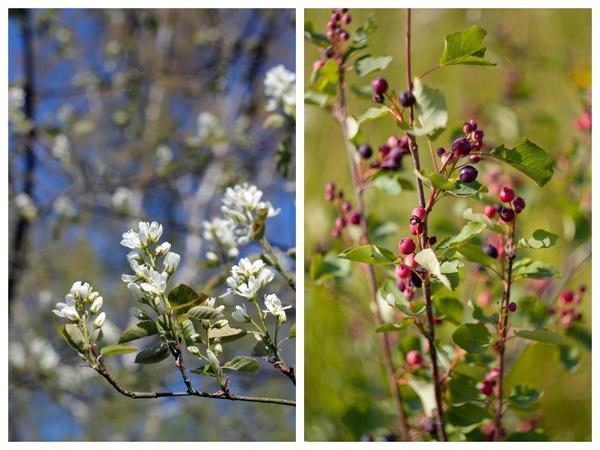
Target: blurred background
{"points": [[540, 89], [117, 116]]}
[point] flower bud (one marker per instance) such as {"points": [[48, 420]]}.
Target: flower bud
{"points": [[220, 323], [217, 348], [96, 305], [100, 320], [171, 262], [193, 350], [240, 314], [162, 249]]}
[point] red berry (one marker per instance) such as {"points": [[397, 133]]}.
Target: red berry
{"points": [[379, 85], [344, 35], [409, 294], [417, 228], [346, 206], [401, 285], [478, 135], [406, 246], [474, 158], [489, 211], [419, 212], [507, 194], [567, 297], [340, 222], [404, 143], [354, 217], [410, 261], [469, 126], [402, 271], [519, 204], [487, 388], [414, 358], [512, 307]]}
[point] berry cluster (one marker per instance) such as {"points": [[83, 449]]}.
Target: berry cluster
{"points": [[390, 153], [346, 215], [507, 213], [567, 311], [406, 99], [336, 35], [408, 274], [469, 146], [490, 381]]}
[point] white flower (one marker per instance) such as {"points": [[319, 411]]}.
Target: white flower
{"points": [[96, 305], [100, 320], [240, 314], [210, 302], [162, 249], [171, 262], [61, 149], [16, 97], [81, 290], [25, 206], [241, 206], [157, 282], [64, 310], [128, 201], [209, 128], [136, 290], [248, 277], [274, 307], [63, 207], [164, 155], [131, 240], [147, 232], [221, 232], [280, 87]]}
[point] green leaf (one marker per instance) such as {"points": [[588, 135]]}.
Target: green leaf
{"points": [[368, 64], [328, 266], [473, 337], [434, 179], [392, 296], [542, 335], [467, 189], [535, 310], [469, 231], [153, 355], [393, 327], [449, 308], [538, 270], [569, 357], [534, 435], [315, 98], [480, 316], [72, 336], [325, 79], [227, 334], [467, 414], [205, 370], [450, 268], [352, 127], [373, 113], [139, 330], [528, 158], [465, 47], [183, 295], [362, 91], [539, 239], [370, 254], [523, 397], [429, 261], [204, 313], [580, 334], [313, 37], [362, 32], [472, 216], [260, 349], [292, 333], [430, 109], [391, 183], [188, 331], [475, 254], [215, 365], [118, 349], [242, 364], [463, 389]]}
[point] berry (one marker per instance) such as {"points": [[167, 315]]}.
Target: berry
{"points": [[402, 271], [393, 141], [340, 222], [416, 280], [567, 297], [410, 261], [336, 232], [396, 154], [414, 358], [385, 150], [507, 194], [487, 388], [492, 375], [469, 126], [490, 250], [330, 186], [406, 246], [318, 64], [336, 16], [404, 143], [379, 85], [430, 426], [347, 19], [476, 145], [330, 34], [474, 158], [409, 294], [468, 174], [329, 52], [346, 206], [354, 217], [483, 299], [478, 135], [519, 204], [365, 151], [461, 147], [417, 228], [441, 151], [329, 196], [401, 285], [419, 212], [377, 98], [406, 99], [512, 307], [507, 214], [489, 211], [344, 35]]}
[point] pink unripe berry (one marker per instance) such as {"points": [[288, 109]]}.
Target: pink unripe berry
{"points": [[417, 228], [409, 261], [474, 158], [340, 222], [354, 217], [346, 206], [489, 211], [507, 194], [484, 298], [409, 294], [567, 297], [406, 246], [419, 212], [393, 141], [402, 271], [414, 358], [492, 375], [318, 64]]}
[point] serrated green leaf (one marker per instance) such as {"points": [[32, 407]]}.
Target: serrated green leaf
{"points": [[473, 337], [539, 239], [373, 113], [118, 349], [429, 261], [431, 110], [204, 313], [153, 355], [529, 159], [370, 254], [465, 47], [227, 334], [523, 397], [542, 335], [469, 231], [467, 414], [138, 331], [184, 296], [368, 64], [242, 364], [538, 270], [187, 331]]}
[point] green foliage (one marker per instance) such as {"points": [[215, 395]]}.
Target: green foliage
{"points": [[429, 261], [391, 183], [539, 239], [373, 113], [324, 267], [368, 64], [463, 389], [465, 47], [153, 355], [72, 336], [325, 80], [528, 158], [469, 231], [242, 364], [226, 334], [539, 270], [138, 331], [118, 349], [467, 414], [184, 297], [449, 308], [431, 110], [524, 397], [542, 335], [204, 313], [472, 337], [370, 254]]}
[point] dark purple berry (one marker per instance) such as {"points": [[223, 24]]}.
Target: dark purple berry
{"points": [[354, 217], [441, 151], [384, 150], [490, 250], [430, 426], [365, 151], [331, 25], [406, 99], [469, 126], [507, 214], [512, 307], [379, 85], [396, 154], [478, 135], [377, 98], [468, 174], [415, 280], [461, 147], [519, 204], [404, 143]]}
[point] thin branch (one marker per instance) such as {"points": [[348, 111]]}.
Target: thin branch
{"points": [[272, 257]]}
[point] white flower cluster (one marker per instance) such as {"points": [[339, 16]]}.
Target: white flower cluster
{"points": [[242, 205], [64, 207], [25, 206], [219, 231], [148, 283], [128, 201], [274, 307], [16, 97], [81, 303], [209, 128], [280, 87], [61, 149]]}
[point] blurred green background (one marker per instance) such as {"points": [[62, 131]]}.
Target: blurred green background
{"points": [[540, 86]]}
